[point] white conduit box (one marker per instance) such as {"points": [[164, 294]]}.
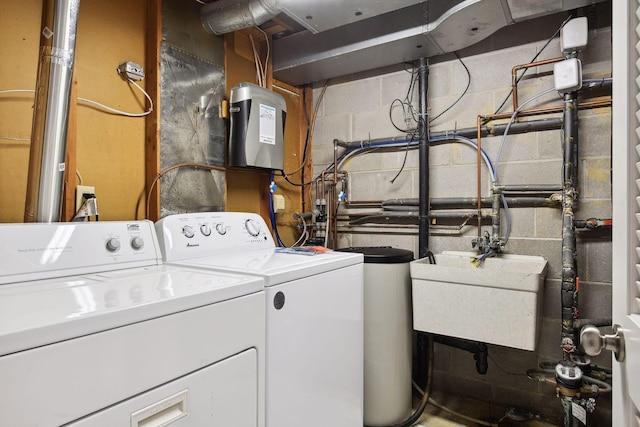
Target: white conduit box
{"points": [[498, 302]]}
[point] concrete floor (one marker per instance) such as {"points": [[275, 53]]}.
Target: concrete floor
{"points": [[490, 415]]}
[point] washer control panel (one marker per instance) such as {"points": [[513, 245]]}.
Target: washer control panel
{"points": [[186, 236], [58, 249]]}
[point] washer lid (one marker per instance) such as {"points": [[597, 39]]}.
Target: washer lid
{"points": [[382, 254], [275, 266], [43, 312]]}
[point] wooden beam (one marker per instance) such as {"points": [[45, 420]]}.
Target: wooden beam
{"points": [[152, 133]]}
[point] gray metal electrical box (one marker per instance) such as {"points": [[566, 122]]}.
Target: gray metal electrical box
{"points": [[257, 127]]}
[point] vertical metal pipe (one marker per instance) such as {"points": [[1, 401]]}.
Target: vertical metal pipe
{"points": [[570, 280], [479, 172], [51, 113], [423, 129]]}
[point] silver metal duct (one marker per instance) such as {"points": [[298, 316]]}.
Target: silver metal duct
{"points": [[337, 45], [51, 115], [225, 16]]}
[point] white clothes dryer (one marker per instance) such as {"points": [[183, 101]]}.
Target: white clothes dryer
{"points": [[95, 331], [314, 313]]}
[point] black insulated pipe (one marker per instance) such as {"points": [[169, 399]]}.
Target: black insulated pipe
{"points": [[471, 202], [423, 130], [569, 287], [487, 130], [498, 129]]}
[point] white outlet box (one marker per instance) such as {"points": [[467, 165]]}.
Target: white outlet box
{"points": [[81, 190], [278, 203]]}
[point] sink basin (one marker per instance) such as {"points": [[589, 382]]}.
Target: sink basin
{"points": [[498, 302]]}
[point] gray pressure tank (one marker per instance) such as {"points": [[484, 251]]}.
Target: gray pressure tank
{"points": [[387, 334]]}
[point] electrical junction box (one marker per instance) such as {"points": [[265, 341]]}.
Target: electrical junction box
{"points": [[258, 118], [574, 35], [130, 70], [567, 75]]}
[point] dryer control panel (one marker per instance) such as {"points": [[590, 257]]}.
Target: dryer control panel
{"points": [[47, 250], [192, 235]]}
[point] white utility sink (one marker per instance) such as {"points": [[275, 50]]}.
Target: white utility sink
{"points": [[498, 302]]}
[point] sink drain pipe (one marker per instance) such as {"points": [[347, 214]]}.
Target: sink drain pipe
{"points": [[423, 129], [424, 341]]}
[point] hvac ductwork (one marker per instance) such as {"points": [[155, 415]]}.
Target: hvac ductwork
{"points": [[225, 16]]}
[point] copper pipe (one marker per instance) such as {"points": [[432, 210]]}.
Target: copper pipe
{"points": [[605, 102], [514, 78]]}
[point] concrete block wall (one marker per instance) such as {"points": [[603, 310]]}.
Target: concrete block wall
{"points": [[358, 108]]}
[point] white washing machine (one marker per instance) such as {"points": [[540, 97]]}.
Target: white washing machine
{"points": [[314, 313], [96, 331]]}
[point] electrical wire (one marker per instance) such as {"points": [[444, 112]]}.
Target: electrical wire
{"points": [[409, 113], [119, 112], [261, 70], [2, 92], [98, 104], [533, 60], [13, 138], [311, 123], [464, 92], [408, 110], [404, 162], [169, 169]]}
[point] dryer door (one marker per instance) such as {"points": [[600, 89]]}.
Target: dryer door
{"points": [[222, 394]]}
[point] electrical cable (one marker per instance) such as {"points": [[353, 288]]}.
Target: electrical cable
{"points": [[261, 70], [533, 60], [169, 169], [404, 162], [12, 138], [463, 92], [98, 104], [310, 128], [119, 112], [408, 110]]}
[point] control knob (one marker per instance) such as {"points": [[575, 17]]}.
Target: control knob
{"points": [[137, 242], [252, 227], [187, 230], [113, 244], [221, 229], [205, 230]]}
